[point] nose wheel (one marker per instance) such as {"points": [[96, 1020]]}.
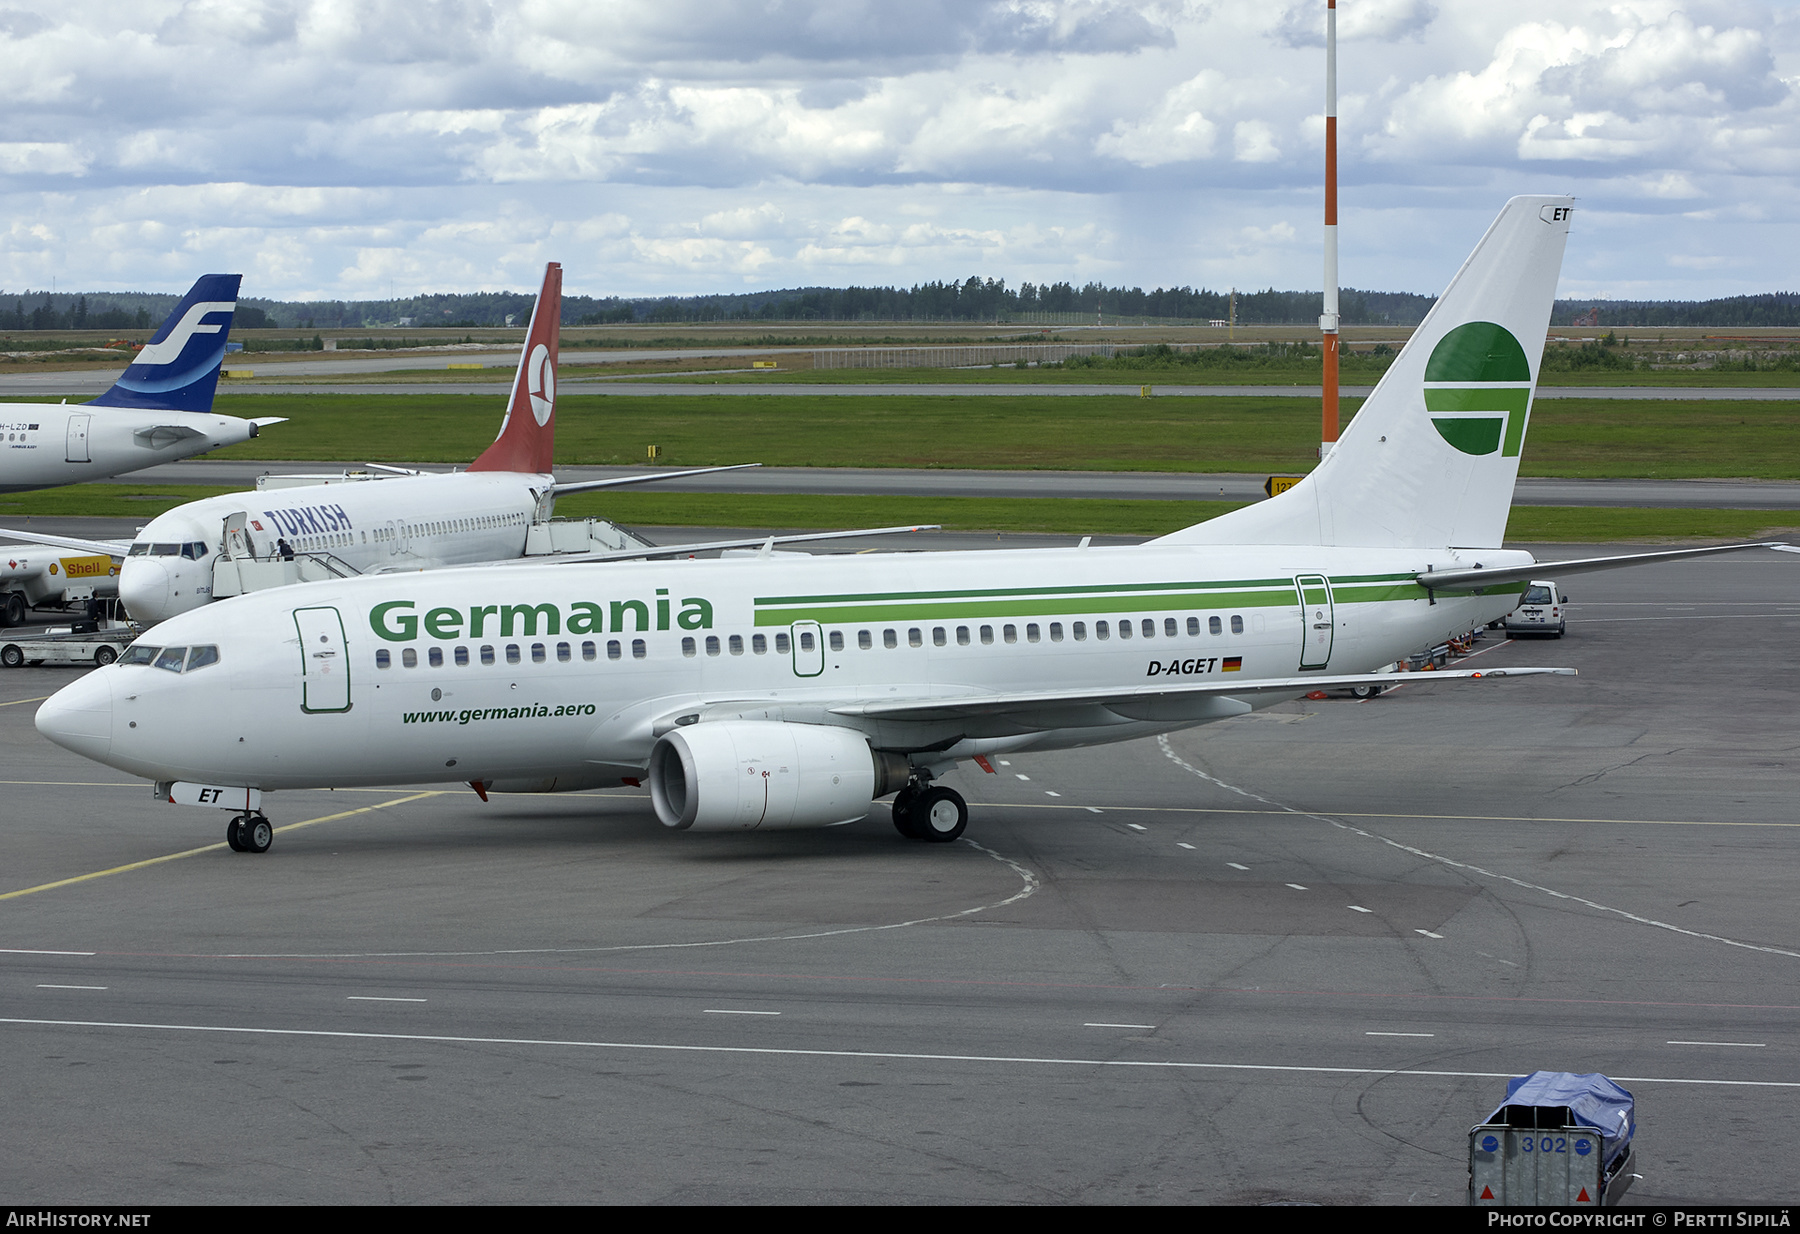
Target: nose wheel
{"points": [[249, 833]]}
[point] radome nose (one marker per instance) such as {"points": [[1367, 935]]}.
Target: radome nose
{"points": [[144, 589], [79, 716]]}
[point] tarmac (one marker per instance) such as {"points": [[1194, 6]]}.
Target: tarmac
{"points": [[1287, 958]]}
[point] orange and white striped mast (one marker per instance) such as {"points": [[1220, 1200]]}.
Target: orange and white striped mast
{"points": [[1328, 321]]}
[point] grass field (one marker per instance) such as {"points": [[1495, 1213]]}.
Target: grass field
{"points": [[1073, 516], [1574, 438], [1283, 375]]}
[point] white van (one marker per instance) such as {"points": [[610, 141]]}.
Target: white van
{"points": [[1540, 611]]}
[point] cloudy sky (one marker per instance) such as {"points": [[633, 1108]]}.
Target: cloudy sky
{"points": [[361, 148]]}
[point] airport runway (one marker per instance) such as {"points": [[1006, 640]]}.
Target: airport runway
{"points": [[88, 383], [1110, 485], [1291, 957]]}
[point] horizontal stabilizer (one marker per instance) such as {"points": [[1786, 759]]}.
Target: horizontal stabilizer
{"points": [[1475, 580], [111, 548], [160, 435], [973, 705], [584, 486]]}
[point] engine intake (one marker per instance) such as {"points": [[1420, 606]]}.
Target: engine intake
{"points": [[748, 775]]}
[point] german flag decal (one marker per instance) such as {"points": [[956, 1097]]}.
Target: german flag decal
{"points": [[1232, 664]]}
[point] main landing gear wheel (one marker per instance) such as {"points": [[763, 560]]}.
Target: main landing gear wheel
{"points": [[937, 814], [250, 833], [903, 804]]}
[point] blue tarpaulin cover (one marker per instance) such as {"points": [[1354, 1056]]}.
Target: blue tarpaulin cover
{"points": [[1592, 1101]]}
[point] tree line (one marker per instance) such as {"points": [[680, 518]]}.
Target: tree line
{"points": [[972, 300]]}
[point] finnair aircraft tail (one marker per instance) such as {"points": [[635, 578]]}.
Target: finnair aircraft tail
{"points": [[527, 440], [1430, 459], [178, 369]]}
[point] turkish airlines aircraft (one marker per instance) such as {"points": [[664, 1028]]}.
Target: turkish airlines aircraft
{"points": [[787, 691], [405, 523], [160, 410]]}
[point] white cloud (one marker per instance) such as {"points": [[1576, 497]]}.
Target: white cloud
{"points": [[331, 146]]}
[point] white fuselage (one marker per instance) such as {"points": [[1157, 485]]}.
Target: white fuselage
{"points": [[43, 445], [563, 676], [404, 523]]}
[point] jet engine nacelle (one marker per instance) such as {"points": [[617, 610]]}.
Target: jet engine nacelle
{"points": [[748, 775]]}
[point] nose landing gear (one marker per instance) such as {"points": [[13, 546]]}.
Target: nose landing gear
{"points": [[249, 833]]}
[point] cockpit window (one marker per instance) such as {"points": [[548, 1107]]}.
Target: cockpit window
{"points": [[138, 549], [137, 653], [1536, 595], [165, 550], [200, 657], [194, 551], [170, 659]]}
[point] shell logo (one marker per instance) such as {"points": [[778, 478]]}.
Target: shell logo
{"points": [[540, 382], [1478, 389], [53, 567]]}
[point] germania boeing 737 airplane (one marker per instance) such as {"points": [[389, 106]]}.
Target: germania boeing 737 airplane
{"points": [[160, 410], [781, 691]]}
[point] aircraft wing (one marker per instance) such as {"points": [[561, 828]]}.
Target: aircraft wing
{"points": [[1475, 580], [766, 543], [1152, 702], [112, 548], [583, 486]]}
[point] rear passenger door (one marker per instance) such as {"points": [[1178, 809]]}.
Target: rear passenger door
{"points": [[1317, 620]]}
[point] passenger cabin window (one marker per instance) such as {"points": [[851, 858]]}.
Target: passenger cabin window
{"points": [[512, 653], [487, 653], [1150, 628], [938, 636], [587, 650], [436, 657], [1124, 629], [1031, 632], [1237, 624], [1101, 630], [1010, 633], [382, 659], [1079, 630], [1212, 624], [806, 640], [759, 643], [409, 658], [781, 644], [638, 650], [712, 644], [837, 640], [612, 649], [688, 648], [1056, 631], [462, 657], [864, 640], [563, 653], [1193, 625], [736, 643], [890, 639], [962, 636], [537, 653], [987, 635], [915, 637]]}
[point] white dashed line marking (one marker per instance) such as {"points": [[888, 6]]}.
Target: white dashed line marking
{"points": [[1296, 886], [23, 951], [1742, 1045], [1179, 844], [1022, 777], [729, 1011], [1234, 865], [1048, 793], [373, 998], [71, 987], [1136, 827], [1150, 1026], [1095, 810], [1399, 1034], [1428, 934], [1357, 908]]}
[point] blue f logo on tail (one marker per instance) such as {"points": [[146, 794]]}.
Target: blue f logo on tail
{"points": [[179, 368]]}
